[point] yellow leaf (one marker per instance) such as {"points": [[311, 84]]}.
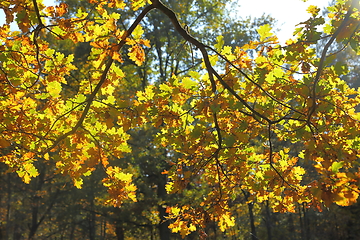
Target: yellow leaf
{"points": [[138, 32], [78, 183], [226, 221], [169, 187], [313, 10], [298, 172], [54, 89], [187, 83], [264, 31], [192, 227], [346, 198], [175, 211], [165, 88], [136, 4], [125, 177]]}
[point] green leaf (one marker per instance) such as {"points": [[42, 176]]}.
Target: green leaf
{"points": [[115, 15], [194, 74], [355, 46], [297, 30], [81, 14], [340, 68], [165, 88], [57, 30], [220, 43], [118, 71], [230, 140], [336, 166], [215, 107], [49, 52], [197, 132], [188, 83], [54, 89], [138, 32], [80, 98]]}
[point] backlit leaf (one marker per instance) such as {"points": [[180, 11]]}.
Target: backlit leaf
{"points": [[264, 31]]}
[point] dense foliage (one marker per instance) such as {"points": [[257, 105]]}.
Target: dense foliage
{"points": [[123, 117]]}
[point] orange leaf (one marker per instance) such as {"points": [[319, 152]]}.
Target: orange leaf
{"points": [[137, 54]]}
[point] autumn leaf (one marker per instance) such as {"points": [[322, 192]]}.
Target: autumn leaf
{"points": [[226, 221], [78, 183], [137, 54], [138, 32], [61, 9], [54, 88], [225, 126], [136, 4], [264, 32], [220, 43], [336, 166], [314, 10], [187, 83], [4, 143]]}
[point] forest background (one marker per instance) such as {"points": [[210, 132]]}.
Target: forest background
{"points": [[139, 119]]}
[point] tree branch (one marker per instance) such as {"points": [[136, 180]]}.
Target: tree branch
{"points": [[323, 57], [202, 47], [91, 97]]}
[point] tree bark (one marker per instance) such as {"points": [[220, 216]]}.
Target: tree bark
{"points": [[163, 226], [268, 221], [119, 230], [252, 222], [251, 216]]}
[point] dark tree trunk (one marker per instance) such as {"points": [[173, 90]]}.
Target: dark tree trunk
{"points": [[34, 221], [119, 230], [8, 207], [301, 224], [292, 232], [251, 216], [252, 221], [164, 230], [306, 223], [268, 220], [92, 221]]}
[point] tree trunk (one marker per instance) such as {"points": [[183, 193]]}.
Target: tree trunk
{"points": [[92, 221], [164, 230], [119, 230], [8, 208], [252, 222], [301, 223], [306, 224], [251, 216], [268, 220], [292, 233], [34, 221]]}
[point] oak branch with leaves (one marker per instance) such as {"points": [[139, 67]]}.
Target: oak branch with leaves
{"points": [[249, 120]]}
